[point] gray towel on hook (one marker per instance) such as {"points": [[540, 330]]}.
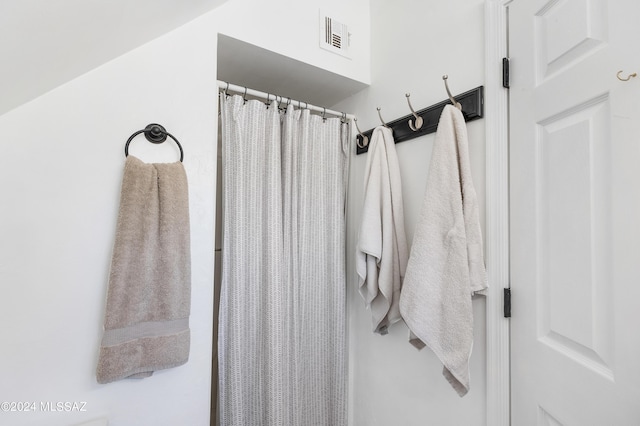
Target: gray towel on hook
{"points": [[146, 325]]}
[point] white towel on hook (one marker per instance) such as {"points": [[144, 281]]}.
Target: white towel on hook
{"points": [[382, 252], [446, 265]]}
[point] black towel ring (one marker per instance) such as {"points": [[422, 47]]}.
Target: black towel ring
{"points": [[155, 133]]}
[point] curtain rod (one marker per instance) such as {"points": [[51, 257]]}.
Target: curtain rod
{"points": [[268, 96]]}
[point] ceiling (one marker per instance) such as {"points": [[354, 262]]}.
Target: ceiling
{"points": [[45, 43], [281, 75]]}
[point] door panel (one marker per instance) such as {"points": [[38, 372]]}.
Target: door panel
{"points": [[575, 312], [575, 212], [566, 32]]}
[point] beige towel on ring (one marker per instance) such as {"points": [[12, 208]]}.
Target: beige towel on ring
{"points": [[446, 265], [146, 324]]}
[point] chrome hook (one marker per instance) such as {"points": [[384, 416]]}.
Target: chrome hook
{"points": [[451, 98], [629, 77], [226, 90], [244, 97], [416, 116], [381, 120], [365, 139], [324, 111]]}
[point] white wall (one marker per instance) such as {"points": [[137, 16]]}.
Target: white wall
{"points": [[49, 42], [60, 172], [413, 44], [291, 28]]}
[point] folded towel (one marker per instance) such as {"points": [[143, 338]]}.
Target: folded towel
{"points": [[146, 324], [446, 265], [382, 252]]}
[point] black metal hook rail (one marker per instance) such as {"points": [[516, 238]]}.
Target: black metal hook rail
{"points": [[472, 108], [155, 133]]}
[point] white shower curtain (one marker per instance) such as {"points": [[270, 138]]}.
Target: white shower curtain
{"points": [[282, 354]]}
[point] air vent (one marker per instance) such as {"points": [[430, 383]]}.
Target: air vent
{"points": [[334, 35]]}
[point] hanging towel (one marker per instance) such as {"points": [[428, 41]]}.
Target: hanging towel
{"points": [[446, 265], [146, 324], [382, 252]]}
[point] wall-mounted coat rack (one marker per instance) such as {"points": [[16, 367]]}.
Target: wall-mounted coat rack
{"points": [[472, 103]]}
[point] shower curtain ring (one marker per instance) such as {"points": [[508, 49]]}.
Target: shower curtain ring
{"points": [[244, 98], [324, 111], [226, 90]]}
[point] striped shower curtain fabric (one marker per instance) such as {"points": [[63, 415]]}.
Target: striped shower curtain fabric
{"points": [[282, 341]]}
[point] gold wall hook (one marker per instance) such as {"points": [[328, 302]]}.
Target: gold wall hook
{"points": [[381, 120], [628, 78], [451, 98], [365, 140], [418, 124]]}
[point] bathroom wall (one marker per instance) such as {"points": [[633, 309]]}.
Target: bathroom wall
{"points": [[60, 170], [49, 42], [291, 28], [413, 44], [60, 173]]}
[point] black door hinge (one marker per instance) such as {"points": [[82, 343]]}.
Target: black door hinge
{"points": [[507, 303], [505, 73]]}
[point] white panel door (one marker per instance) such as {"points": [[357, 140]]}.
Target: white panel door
{"points": [[575, 212]]}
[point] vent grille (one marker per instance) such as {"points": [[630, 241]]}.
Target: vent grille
{"points": [[334, 35], [334, 32], [336, 41]]}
